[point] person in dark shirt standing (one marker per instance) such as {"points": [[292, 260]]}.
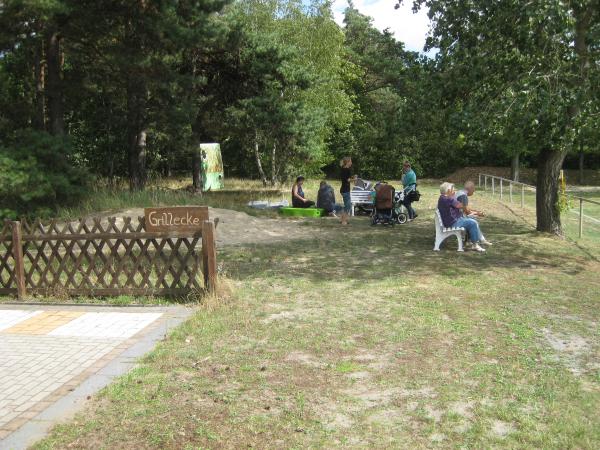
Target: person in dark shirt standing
{"points": [[346, 178]]}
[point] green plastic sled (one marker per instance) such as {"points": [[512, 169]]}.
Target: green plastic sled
{"points": [[302, 212]]}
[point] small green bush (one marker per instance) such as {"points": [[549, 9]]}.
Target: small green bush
{"points": [[37, 176]]}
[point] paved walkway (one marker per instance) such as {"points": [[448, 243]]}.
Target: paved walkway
{"points": [[53, 357]]}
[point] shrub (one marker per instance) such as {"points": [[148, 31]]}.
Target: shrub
{"points": [[37, 176]]}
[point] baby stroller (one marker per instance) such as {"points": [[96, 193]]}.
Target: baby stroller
{"points": [[400, 212], [388, 206]]}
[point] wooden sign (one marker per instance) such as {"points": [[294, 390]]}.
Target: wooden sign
{"points": [[177, 219]]}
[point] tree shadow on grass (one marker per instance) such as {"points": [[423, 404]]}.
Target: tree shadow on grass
{"points": [[362, 253]]}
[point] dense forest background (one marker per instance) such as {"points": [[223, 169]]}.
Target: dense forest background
{"points": [[128, 89]]}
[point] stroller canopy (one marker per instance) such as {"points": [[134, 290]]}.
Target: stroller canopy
{"points": [[384, 197]]}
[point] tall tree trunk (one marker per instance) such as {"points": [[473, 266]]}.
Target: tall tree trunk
{"points": [[54, 85], [196, 172], [38, 121], [581, 165], [261, 172], [514, 167], [546, 198], [111, 172], [550, 161], [137, 161], [136, 135], [273, 164]]}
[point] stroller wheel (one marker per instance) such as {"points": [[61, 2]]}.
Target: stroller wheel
{"points": [[402, 218]]}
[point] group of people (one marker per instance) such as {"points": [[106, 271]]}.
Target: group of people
{"points": [[456, 213], [453, 206], [326, 195]]}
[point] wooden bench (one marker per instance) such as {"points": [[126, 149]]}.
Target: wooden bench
{"points": [[441, 233], [358, 197]]}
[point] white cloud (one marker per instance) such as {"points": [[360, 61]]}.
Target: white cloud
{"points": [[407, 26]]}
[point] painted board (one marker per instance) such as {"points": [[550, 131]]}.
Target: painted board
{"points": [[178, 219], [212, 167]]}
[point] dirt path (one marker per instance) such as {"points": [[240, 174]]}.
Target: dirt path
{"points": [[237, 227]]}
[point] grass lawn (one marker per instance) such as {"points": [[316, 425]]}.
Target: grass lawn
{"points": [[364, 337], [176, 191], [590, 240]]}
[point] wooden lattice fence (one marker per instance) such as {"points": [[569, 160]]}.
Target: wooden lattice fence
{"points": [[107, 257]]}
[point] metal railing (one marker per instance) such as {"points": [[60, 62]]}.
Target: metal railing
{"points": [[581, 215], [503, 181]]}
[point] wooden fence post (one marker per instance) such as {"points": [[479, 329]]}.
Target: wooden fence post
{"points": [[522, 196], [17, 247], [209, 255], [493, 186], [500, 188], [510, 190], [479, 180], [485, 182]]}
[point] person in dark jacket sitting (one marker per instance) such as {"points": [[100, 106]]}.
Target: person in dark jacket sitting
{"points": [[298, 199], [326, 199], [451, 213]]}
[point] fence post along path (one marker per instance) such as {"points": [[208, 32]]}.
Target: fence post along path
{"points": [[165, 252], [17, 250], [581, 200]]}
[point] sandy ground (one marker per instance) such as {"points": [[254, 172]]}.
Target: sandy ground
{"points": [[237, 227]]}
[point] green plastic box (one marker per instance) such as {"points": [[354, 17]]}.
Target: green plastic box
{"points": [[302, 212]]}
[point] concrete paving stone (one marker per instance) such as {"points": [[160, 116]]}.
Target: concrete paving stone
{"points": [[39, 397], [12, 391], [12, 397], [49, 353], [110, 324], [10, 318], [25, 406], [29, 414], [64, 379], [30, 386], [45, 384], [32, 391]]}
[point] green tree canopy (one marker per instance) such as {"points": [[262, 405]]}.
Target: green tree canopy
{"points": [[532, 65]]}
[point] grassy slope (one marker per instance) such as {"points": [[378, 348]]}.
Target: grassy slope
{"points": [[590, 240], [172, 192], [366, 338]]}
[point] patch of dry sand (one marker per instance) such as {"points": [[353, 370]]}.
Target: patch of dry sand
{"points": [[234, 227]]}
